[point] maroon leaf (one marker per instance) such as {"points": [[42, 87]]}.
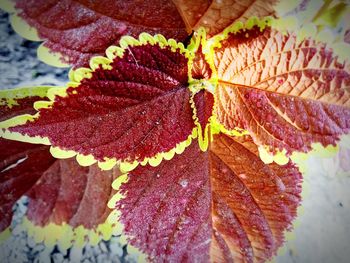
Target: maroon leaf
{"points": [[221, 205], [200, 68], [33, 160], [136, 109], [69, 193], [22, 106], [30, 160], [203, 102], [80, 29], [166, 208], [59, 191]]}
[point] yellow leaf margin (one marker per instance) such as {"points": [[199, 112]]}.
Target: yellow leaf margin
{"points": [[284, 25], [114, 218], [8, 97], [76, 76], [22, 28], [65, 236]]}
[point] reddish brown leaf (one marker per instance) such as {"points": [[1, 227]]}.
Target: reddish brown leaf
{"points": [[59, 191], [288, 95], [225, 204], [69, 193], [135, 110], [200, 68], [253, 203], [167, 208], [204, 102], [22, 106], [89, 27], [80, 29], [32, 161]]}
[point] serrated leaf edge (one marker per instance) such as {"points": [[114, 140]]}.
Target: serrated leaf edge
{"points": [[284, 25], [269, 154]]}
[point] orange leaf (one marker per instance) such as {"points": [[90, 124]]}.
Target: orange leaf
{"points": [[221, 205], [288, 95], [215, 15], [252, 203]]}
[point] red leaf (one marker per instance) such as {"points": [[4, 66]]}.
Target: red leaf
{"points": [[30, 160], [82, 29], [136, 109], [22, 106], [166, 208], [225, 204], [59, 191], [69, 193], [200, 68], [203, 103], [33, 160], [287, 95]]}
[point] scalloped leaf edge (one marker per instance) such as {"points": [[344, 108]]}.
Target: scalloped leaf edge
{"points": [[114, 217], [76, 76], [66, 236], [22, 28]]}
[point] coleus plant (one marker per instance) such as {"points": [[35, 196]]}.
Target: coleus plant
{"points": [[194, 117]]}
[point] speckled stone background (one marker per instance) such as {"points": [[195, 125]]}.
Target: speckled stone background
{"points": [[322, 230]]}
